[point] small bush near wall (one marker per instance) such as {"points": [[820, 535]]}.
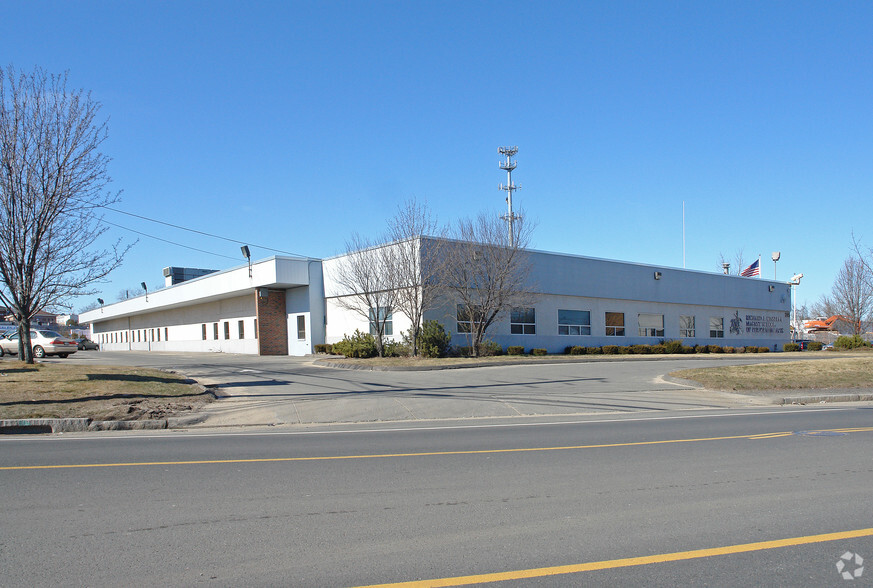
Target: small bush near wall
{"points": [[730, 350], [324, 348], [593, 350], [791, 347], [673, 346], [715, 349], [763, 350], [687, 349], [814, 345], [538, 352], [641, 349], [659, 349], [610, 349], [489, 348], [515, 350], [578, 350], [701, 349], [433, 340], [360, 345]]}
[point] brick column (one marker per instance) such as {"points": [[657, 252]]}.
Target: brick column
{"points": [[272, 323]]}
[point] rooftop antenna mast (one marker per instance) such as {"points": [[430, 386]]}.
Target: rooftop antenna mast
{"points": [[508, 164]]}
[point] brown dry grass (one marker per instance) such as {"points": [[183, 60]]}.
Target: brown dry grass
{"points": [[850, 372], [100, 392]]}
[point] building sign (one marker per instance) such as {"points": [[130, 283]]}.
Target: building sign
{"points": [[761, 324]]}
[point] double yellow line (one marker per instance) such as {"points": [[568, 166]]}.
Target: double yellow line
{"points": [[627, 562], [420, 454]]}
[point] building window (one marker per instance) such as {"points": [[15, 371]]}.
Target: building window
{"points": [[152, 334], [159, 333], [378, 315], [203, 330], [716, 326], [686, 326], [574, 322], [615, 324], [651, 325], [301, 327], [466, 317], [215, 331], [523, 321], [241, 325], [166, 334], [256, 328], [226, 330]]}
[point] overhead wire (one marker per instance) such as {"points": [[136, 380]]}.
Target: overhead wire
{"points": [[167, 240]]}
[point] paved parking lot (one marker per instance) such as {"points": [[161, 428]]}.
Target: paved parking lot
{"points": [[293, 390]]}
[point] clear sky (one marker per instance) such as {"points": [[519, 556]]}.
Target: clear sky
{"points": [[294, 124]]}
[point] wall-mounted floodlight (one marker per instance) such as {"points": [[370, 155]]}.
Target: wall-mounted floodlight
{"points": [[657, 275], [775, 257], [726, 267], [263, 293], [770, 288], [248, 255], [146, 288], [795, 279]]}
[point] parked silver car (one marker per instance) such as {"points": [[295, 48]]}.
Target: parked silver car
{"points": [[44, 343]]}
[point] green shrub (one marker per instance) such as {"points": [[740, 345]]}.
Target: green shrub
{"points": [[815, 346], [361, 345], [701, 349], [610, 349], [641, 349], [462, 351], [515, 350], [751, 349], [715, 349], [791, 347], [538, 351], [625, 350], [659, 349], [489, 348], [853, 342], [568, 350], [593, 350], [673, 346], [763, 350], [687, 349], [324, 348], [578, 350], [396, 349], [730, 350], [741, 349], [433, 340]]}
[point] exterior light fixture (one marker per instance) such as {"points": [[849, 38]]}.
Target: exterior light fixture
{"points": [[794, 281], [146, 288], [248, 255], [726, 267], [100, 300], [657, 275], [775, 257], [771, 287]]}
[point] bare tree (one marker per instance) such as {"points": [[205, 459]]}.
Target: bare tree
{"points": [[851, 296], [416, 262], [487, 273], [367, 284], [738, 263], [52, 177]]}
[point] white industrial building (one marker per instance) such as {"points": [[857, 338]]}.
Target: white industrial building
{"points": [[287, 305]]}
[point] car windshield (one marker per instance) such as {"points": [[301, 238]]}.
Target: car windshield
{"points": [[49, 334]]}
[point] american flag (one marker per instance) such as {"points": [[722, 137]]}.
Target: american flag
{"points": [[752, 270]]}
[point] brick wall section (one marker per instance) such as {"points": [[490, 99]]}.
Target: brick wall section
{"points": [[272, 324]]}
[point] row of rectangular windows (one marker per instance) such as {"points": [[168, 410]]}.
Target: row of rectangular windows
{"points": [[136, 336], [240, 325], [522, 321]]}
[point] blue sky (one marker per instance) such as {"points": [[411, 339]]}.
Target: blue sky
{"points": [[295, 124]]}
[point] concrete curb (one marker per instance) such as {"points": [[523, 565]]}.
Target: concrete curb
{"points": [[820, 398], [31, 426]]}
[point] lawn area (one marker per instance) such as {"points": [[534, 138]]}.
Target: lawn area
{"points": [[54, 390], [837, 372]]}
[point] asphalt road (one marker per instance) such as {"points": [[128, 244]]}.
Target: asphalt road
{"points": [[357, 506]]}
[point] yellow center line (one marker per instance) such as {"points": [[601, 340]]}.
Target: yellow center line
{"points": [[421, 454], [627, 562]]}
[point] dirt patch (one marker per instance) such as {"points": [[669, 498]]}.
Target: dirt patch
{"points": [[54, 390]]}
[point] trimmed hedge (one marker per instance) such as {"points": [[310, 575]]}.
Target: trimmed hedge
{"points": [[539, 351], [815, 345], [791, 347], [324, 348], [515, 350]]}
